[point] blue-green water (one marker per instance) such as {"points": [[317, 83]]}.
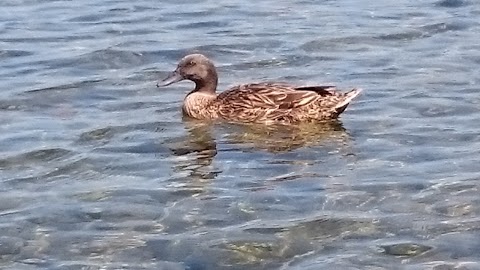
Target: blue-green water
{"points": [[99, 171]]}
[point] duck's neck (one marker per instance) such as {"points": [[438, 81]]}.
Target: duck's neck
{"points": [[207, 85], [197, 103]]}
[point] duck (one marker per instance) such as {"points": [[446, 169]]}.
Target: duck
{"points": [[263, 102]]}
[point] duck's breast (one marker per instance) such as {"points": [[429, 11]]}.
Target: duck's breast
{"points": [[197, 105]]}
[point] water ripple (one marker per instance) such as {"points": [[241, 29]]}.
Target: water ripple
{"points": [[100, 171]]}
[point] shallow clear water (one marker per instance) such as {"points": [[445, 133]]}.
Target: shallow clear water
{"points": [[99, 171]]}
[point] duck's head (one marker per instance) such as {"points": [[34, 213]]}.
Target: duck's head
{"points": [[196, 68]]}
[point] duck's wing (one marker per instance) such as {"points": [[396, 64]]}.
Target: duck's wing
{"points": [[281, 102], [274, 95]]}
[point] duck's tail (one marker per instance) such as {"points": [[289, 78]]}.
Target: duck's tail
{"points": [[347, 98]]}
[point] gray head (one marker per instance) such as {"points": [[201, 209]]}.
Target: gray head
{"points": [[196, 68]]}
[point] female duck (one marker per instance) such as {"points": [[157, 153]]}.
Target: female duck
{"points": [[257, 102]]}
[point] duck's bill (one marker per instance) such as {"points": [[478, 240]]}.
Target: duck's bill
{"points": [[172, 78]]}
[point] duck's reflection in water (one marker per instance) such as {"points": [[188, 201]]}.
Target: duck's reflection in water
{"points": [[285, 138], [195, 152]]}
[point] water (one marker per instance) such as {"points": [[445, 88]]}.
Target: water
{"points": [[99, 171]]}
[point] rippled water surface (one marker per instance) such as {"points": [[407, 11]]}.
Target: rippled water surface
{"points": [[99, 171]]}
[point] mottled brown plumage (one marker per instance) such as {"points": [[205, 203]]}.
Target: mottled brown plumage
{"points": [[256, 102]]}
